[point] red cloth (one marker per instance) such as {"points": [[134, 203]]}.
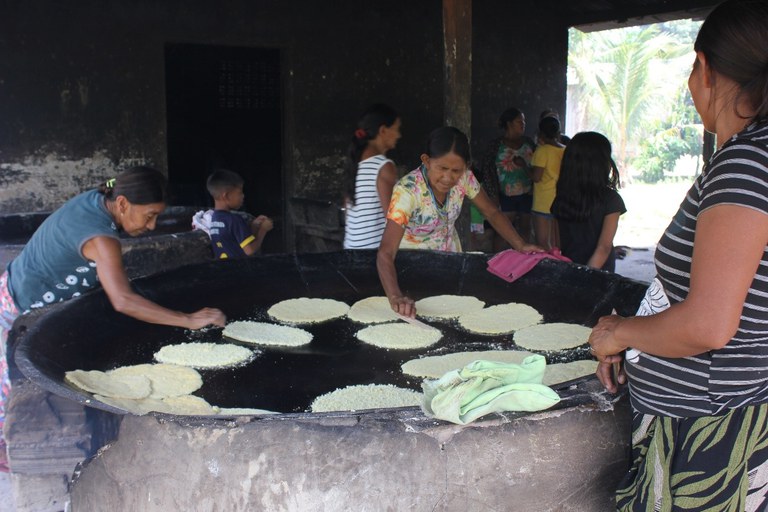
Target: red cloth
{"points": [[511, 265]]}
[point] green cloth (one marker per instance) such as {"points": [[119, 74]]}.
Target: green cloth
{"points": [[482, 387]]}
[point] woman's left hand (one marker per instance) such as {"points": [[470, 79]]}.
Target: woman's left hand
{"points": [[608, 351]]}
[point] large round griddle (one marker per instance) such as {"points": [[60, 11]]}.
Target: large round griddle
{"points": [[86, 333]]}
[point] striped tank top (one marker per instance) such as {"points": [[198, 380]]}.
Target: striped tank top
{"points": [[736, 375], [365, 219]]}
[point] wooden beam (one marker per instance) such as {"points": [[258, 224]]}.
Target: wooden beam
{"points": [[457, 38]]}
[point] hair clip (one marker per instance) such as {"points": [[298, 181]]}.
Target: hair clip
{"points": [[360, 133], [111, 183]]}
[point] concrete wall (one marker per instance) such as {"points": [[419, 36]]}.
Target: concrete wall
{"points": [[82, 84]]}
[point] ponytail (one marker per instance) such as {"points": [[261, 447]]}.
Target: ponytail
{"points": [[140, 185]]}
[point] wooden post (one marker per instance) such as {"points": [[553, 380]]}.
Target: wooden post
{"points": [[457, 38]]}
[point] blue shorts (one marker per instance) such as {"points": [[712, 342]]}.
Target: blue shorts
{"points": [[519, 204]]}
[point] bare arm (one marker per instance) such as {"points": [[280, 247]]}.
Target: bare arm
{"points": [[385, 264], [725, 259], [537, 174], [605, 242], [501, 223], [385, 182], [260, 226], [105, 251]]}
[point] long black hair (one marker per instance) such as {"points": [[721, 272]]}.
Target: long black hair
{"points": [[447, 139], [734, 39], [140, 185], [368, 126], [587, 173]]}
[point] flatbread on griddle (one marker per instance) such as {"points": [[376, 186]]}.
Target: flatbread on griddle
{"points": [[262, 333], [500, 319], [204, 355], [115, 386], [372, 310], [399, 336], [554, 336], [369, 396], [307, 311], [447, 307], [434, 367], [166, 380]]}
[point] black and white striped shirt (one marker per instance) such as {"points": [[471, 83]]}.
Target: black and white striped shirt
{"points": [[736, 375], [365, 219]]}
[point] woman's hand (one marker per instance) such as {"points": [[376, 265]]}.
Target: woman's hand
{"points": [[530, 248], [604, 346], [206, 316], [403, 305]]}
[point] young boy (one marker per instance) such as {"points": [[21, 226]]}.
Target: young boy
{"points": [[231, 236]]}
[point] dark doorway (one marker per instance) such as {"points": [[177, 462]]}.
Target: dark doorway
{"points": [[224, 112]]}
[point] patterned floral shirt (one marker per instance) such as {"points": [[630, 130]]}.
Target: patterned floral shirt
{"points": [[513, 167], [426, 225]]}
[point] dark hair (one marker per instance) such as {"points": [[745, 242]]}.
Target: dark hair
{"points": [[139, 185], [734, 40], [548, 112], [221, 180], [550, 127], [448, 139], [508, 116], [587, 172], [368, 126]]}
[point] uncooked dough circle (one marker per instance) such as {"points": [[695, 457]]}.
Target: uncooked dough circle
{"points": [[204, 355], [307, 311], [500, 319], [447, 306], [370, 396], [399, 336], [554, 336], [262, 333]]}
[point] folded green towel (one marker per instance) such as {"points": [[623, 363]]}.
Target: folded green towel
{"points": [[482, 387]]}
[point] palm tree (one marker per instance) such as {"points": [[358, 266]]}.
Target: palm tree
{"points": [[613, 83]]}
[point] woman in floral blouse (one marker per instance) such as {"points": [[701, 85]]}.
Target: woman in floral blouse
{"points": [[425, 205]]}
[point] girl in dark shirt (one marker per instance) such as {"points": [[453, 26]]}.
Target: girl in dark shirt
{"points": [[587, 205]]}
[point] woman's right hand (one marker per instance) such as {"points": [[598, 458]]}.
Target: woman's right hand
{"points": [[403, 305], [204, 317]]}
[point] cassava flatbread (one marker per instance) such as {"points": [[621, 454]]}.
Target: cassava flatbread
{"points": [[373, 310], [434, 367], [554, 336], [114, 386], [262, 333], [563, 372], [307, 311], [243, 411], [166, 380], [447, 306], [370, 396], [399, 336], [500, 319], [181, 405], [204, 355]]}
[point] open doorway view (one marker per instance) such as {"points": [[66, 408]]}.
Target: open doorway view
{"points": [[630, 84], [224, 111]]}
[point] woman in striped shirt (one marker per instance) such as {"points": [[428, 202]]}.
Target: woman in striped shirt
{"points": [[370, 176], [697, 352]]}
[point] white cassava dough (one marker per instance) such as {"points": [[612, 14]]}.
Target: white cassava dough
{"points": [[307, 311], [399, 336], [554, 336], [366, 396], [373, 310], [116, 386], [243, 411], [262, 333], [434, 367], [447, 306], [204, 355], [563, 372], [166, 380], [500, 319]]}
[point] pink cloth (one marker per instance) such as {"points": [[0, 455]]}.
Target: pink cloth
{"points": [[511, 265]]}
